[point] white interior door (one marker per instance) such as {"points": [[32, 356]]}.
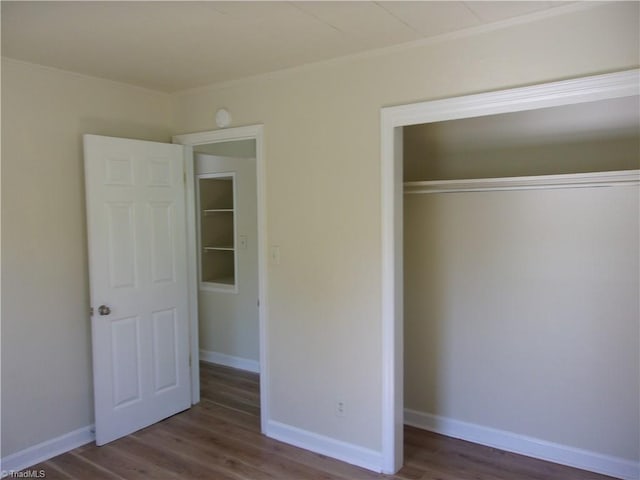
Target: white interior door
{"points": [[138, 273]]}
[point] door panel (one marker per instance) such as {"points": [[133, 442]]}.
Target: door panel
{"points": [[125, 351], [164, 344], [119, 217], [162, 251], [137, 262]]}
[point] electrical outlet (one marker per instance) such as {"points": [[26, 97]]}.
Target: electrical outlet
{"points": [[341, 408]]}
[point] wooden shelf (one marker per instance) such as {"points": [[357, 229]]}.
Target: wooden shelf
{"points": [[217, 232], [229, 281], [216, 210], [572, 180]]}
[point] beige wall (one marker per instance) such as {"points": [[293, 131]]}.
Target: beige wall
{"points": [[322, 136], [521, 313], [46, 355], [323, 192]]}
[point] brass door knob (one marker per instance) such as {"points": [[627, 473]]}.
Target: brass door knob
{"points": [[104, 310]]}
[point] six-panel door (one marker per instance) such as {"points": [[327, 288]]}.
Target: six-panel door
{"points": [[138, 273]]}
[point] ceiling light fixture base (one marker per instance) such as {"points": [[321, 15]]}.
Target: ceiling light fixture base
{"points": [[223, 118]]}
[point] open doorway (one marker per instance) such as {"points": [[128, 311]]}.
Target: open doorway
{"points": [[225, 205], [226, 208]]}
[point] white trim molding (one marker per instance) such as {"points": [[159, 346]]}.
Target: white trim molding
{"points": [[392, 120], [248, 132], [346, 452], [46, 450], [537, 182], [524, 445], [230, 361], [565, 92]]}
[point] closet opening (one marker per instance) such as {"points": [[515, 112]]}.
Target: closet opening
{"points": [[510, 264]]}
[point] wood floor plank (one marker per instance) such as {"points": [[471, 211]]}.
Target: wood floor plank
{"points": [[170, 460], [220, 439], [225, 392], [125, 463], [249, 447], [248, 381], [238, 417], [49, 471], [251, 393], [214, 424], [78, 468], [208, 452], [231, 400], [230, 372], [431, 451]]}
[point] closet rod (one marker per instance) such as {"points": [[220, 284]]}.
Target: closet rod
{"points": [[538, 182]]}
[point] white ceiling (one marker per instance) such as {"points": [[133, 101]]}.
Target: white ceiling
{"points": [[173, 46]]}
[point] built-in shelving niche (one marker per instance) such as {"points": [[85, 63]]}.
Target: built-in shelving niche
{"points": [[216, 231]]}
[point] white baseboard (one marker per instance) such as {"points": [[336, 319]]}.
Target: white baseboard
{"points": [[346, 452], [46, 450], [230, 361], [529, 446]]}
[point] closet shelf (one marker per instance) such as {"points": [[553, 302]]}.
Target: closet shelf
{"points": [[571, 180], [216, 210], [215, 249], [229, 281]]}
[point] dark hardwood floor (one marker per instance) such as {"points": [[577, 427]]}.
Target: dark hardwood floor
{"points": [[220, 439]]}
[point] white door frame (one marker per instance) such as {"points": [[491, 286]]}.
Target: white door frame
{"points": [[393, 119], [251, 132]]}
